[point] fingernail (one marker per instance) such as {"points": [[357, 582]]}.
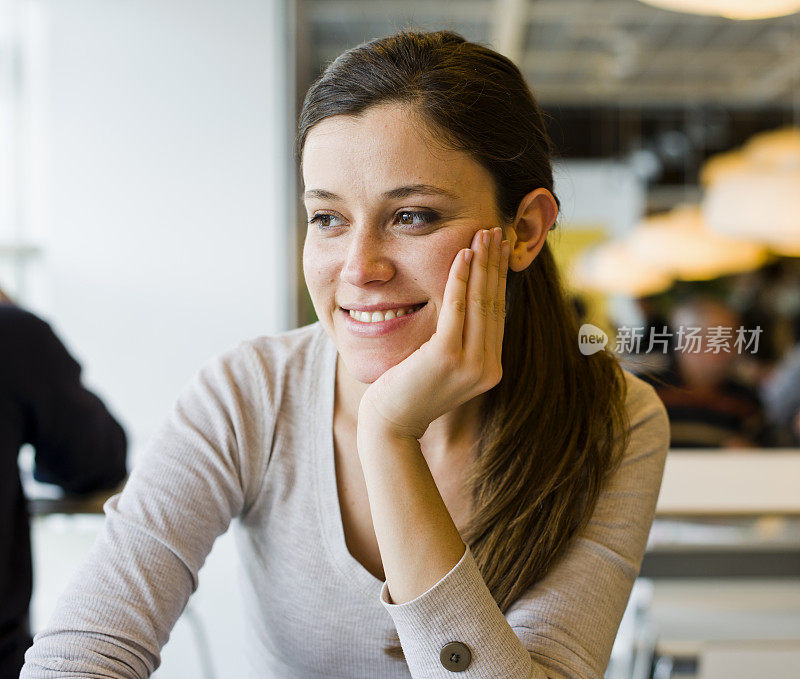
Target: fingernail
{"points": [[486, 237], [505, 248], [498, 234]]}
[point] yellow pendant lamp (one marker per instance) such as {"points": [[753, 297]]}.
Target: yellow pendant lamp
{"points": [[731, 9], [679, 242], [756, 196], [612, 268]]}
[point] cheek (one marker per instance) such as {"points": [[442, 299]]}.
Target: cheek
{"points": [[436, 270], [440, 272], [318, 267], [308, 264]]}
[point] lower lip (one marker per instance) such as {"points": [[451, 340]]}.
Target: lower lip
{"points": [[379, 328]]}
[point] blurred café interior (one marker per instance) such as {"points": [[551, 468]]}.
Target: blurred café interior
{"points": [[150, 213]]}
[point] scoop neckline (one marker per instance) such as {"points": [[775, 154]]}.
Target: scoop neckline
{"points": [[327, 489]]}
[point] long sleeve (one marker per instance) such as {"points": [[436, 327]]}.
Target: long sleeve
{"points": [[198, 472], [565, 625], [78, 444]]}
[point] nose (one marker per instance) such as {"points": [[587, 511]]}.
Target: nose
{"points": [[367, 258]]}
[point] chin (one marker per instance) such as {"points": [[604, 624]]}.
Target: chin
{"points": [[368, 366], [365, 370]]}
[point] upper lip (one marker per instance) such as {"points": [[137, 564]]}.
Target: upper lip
{"points": [[378, 307]]}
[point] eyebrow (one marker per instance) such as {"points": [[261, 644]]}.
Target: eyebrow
{"points": [[398, 192]]}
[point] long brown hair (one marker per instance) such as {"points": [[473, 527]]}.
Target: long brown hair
{"points": [[555, 425]]}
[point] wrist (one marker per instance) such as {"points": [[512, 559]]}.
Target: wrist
{"points": [[371, 422]]}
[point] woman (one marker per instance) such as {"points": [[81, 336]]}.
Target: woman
{"points": [[450, 487]]}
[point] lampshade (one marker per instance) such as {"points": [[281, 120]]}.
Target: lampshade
{"points": [[732, 9], [680, 242], [757, 196], [762, 204], [612, 268], [721, 164], [776, 148]]}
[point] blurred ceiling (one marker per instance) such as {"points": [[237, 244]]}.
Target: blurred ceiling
{"points": [[592, 53]]}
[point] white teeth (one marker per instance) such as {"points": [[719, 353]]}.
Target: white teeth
{"points": [[378, 316]]}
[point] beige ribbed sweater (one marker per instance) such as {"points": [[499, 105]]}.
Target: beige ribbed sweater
{"points": [[250, 439]]}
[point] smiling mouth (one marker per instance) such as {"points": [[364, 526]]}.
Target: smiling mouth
{"points": [[381, 316]]}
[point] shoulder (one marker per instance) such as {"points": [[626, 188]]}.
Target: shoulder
{"points": [[285, 350], [11, 312], [281, 348], [741, 390], [38, 352], [261, 368], [648, 422], [273, 356], [237, 395], [17, 321], [641, 398]]}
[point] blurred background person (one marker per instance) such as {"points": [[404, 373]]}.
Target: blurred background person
{"points": [[78, 445], [709, 406], [781, 396]]}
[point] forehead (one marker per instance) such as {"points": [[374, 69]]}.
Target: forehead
{"points": [[386, 145]]}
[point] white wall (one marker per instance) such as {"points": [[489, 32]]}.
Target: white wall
{"points": [[599, 193], [604, 194], [162, 156], [159, 183]]}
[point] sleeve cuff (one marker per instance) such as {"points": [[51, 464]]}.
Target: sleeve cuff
{"points": [[459, 608]]}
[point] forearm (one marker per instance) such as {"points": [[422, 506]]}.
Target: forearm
{"points": [[434, 591], [418, 540]]}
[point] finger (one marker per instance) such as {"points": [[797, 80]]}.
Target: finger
{"points": [[505, 251], [475, 320], [450, 326], [492, 312]]}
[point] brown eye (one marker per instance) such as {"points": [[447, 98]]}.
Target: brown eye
{"points": [[319, 219], [426, 217]]}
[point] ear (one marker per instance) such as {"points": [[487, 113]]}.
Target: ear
{"points": [[536, 215]]}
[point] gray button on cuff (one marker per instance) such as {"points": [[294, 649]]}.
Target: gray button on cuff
{"points": [[455, 656]]}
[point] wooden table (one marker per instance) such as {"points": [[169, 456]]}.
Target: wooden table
{"points": [[727, 513], [67, 503], [750, 495]]}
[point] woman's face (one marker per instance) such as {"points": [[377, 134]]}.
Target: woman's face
{"points": [[389, 209]]}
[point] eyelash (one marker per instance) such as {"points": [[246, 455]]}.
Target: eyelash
{"points": [[429, 218]]}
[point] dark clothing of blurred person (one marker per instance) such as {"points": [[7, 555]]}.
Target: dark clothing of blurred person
{"points": [[78, 445], [781, 396], [726, 415]]}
